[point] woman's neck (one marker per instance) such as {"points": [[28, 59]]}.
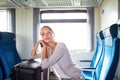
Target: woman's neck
{"points": [[52, 46]]}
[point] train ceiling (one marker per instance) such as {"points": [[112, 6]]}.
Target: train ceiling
{"points": [[49, 3]]}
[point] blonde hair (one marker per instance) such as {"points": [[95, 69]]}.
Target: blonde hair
{"points": [[48, 28]]}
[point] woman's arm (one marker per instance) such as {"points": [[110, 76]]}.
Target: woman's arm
{"points": [[33, 52], [44, 52]]}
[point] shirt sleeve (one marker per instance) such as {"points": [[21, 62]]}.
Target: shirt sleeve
{"points": [[58, 53]]}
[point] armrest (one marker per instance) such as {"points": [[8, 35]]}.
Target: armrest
{"points": [[85, 60], [36, 59], [89, 69], [88, 73]]}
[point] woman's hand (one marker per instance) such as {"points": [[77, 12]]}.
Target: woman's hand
{"points": [[33, 53], [44, 49], [43, 44]]}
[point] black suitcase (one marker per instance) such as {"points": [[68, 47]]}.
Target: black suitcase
{"points": [[27, 70]]}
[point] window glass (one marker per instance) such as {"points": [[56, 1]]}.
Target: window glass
{"points": [[4, 20], [76, 35], [64, 16]]}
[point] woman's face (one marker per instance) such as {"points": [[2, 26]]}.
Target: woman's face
{"points": [[47, 35]]}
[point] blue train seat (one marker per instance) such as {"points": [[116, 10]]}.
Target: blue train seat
{"points": [[8, 53], [96, 57], [107, 65], [99, 48], [111, 51]]}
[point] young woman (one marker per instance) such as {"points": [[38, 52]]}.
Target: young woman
{"points": [[56, 56]]}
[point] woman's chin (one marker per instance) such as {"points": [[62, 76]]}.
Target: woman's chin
{"points": [[47, 42]]}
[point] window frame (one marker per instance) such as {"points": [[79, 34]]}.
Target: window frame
{"points": [[63, 20], [10, 20], [90, 12], [7, 19]]}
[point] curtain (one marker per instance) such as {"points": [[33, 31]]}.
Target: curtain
{"points": [[90, 11], [36, 22], [12, 20]]}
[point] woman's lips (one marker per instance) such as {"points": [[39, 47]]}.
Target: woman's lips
{"points": [[47, 39]]}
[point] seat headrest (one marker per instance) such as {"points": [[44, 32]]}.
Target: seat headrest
{"points": [[98, 36], [111, 31], [114, 30], [7, 35], [101, 35]]}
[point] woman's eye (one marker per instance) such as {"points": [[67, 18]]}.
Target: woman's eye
{"points": [[49, 32], [42, 34]]}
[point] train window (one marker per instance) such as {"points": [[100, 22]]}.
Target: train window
{"points": [[63, 16], [4, 19], [48, 16], [70, 27]]}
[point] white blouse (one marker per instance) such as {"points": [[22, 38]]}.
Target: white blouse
{"points": [[61, 62], [62, 59]]}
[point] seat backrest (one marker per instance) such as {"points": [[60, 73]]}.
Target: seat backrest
{"points": [[8, 53], [107, 67], [99, 49]]}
